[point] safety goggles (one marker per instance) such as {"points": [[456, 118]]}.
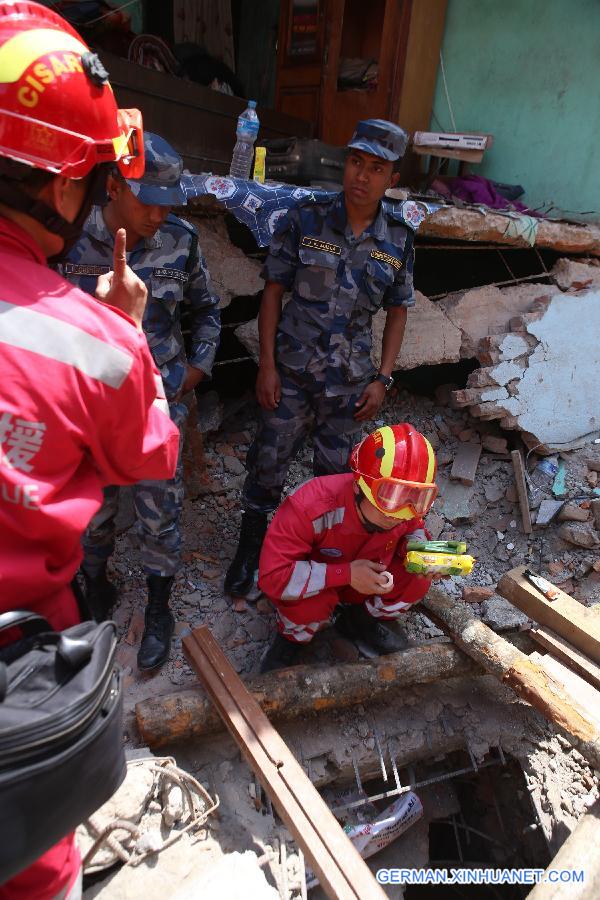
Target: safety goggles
{"points": [[129, 146], [393, 494]]}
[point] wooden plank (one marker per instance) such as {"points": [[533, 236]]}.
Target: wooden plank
{"points": [[341, 870], [577, 624], [563, 650], [514, 669], [464, 467], [584, 697], [576, 853], [519, 467]]}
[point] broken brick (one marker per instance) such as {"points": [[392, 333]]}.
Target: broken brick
{"points": [[571, 512], [494, 444], [476, 593]]}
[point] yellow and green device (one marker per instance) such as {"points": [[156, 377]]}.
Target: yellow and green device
{"points": [[438, 558]]}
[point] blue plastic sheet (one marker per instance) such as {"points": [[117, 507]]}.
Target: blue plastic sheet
{"points": [[260, 206]]}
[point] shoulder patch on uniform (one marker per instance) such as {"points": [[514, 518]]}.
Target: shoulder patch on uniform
{"points": [[385, 257], [83, 269], [409, 213], [177, 274], [317, 244]]}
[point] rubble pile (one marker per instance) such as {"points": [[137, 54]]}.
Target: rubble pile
{"points": [[485, 514]]}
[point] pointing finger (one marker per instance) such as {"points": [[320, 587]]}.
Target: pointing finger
{"points": [[119, 258]]}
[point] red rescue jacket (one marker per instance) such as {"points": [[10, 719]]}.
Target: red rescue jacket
{"points": [[78, 410], [315, 535]]}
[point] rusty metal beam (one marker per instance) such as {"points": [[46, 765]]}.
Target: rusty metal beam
{"points": [[342, 872]]}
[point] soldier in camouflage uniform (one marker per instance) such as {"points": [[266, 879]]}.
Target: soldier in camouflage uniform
{"points": [[163, 251], [343, 259]]}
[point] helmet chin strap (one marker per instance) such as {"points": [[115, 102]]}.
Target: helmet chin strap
{"points": [[16, 198], [369, 527]]}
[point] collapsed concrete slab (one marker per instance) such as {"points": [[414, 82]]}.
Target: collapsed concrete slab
{"points": [[232, 272], [430, 339], [453, 223], [573, 275], [542, 377], [488, 310]]}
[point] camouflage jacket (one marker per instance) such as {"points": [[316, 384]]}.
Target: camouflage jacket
{"points": [[338, 281], [173, 269]]}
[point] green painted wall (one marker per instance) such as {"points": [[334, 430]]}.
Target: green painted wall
{"points": [[528, 72]]}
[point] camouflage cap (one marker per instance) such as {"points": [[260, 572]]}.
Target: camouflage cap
{"points": [[381, 138], [162, 183]]}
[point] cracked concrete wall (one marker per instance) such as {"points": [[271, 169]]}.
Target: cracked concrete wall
{"points": [[543, 379]]}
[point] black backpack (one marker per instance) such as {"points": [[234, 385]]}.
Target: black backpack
{"points": [[61, 746]]}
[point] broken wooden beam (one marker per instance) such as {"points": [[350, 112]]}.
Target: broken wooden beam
{"points": [[577, 624], [514, 669], [521, 485], [571, 656], [292, 693], [341, 870], [577, 854]]}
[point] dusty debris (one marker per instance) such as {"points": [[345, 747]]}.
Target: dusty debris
{"points": [[580, 534]]}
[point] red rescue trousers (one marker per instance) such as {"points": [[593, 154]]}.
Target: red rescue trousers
{"points": [[300, 621]]}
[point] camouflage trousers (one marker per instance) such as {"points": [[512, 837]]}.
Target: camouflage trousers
{"points": [[158, 511], [303, 408]]}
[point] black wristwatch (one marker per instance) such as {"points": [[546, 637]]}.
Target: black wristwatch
{"points": [[386, 380]]}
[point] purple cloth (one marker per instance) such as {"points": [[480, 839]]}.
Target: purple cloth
{"points": [[478, 190]]}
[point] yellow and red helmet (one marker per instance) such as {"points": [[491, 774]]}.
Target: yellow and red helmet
{"points": [[57, 108], [395, 469]]}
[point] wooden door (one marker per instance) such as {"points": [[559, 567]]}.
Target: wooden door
{"points": [[362, 38], [300, 58]]}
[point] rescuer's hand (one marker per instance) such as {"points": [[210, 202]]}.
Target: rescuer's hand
{"points": [[369, 402], [365, 577], [193, 377], [121, 287], [268, 387]]}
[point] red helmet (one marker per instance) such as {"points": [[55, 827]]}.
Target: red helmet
{"points": [[57, 108], [395, 469]]}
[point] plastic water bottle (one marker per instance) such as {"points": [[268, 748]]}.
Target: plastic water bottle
{"points": [[542, 479], [247, 132]]}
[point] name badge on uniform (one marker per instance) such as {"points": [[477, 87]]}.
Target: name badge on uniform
{"points": [[386, 258], [316, 244], [77, 269], [177, 274]]}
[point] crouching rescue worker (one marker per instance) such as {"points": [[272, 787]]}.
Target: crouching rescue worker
{"points": [[340, 541], [343, 259], [81, 402], [163, 252]]}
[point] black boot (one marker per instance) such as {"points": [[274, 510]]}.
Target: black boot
{"points": [[158, 630], [240, 574], [281, 654], [100, 595], [355, 623]]}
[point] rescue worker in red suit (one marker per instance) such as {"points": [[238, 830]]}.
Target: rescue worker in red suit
{"points": [[81, 403], [338, 544]]}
